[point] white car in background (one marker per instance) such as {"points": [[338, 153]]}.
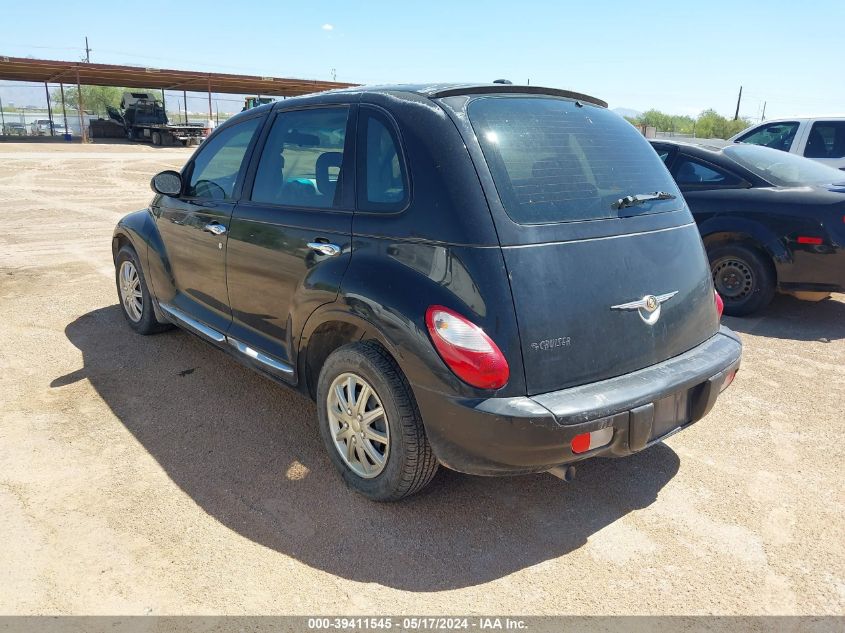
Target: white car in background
{"points": [[41, 127], [821, 138]]}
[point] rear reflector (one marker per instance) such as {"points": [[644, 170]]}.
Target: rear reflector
{"points": [[728, 380], [810, 240], [588, 441]]}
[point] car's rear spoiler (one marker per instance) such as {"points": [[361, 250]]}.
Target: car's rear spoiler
{"points": [[453, 91]]}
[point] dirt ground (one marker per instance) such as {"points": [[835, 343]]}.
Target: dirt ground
{"points": [[155, 475]]}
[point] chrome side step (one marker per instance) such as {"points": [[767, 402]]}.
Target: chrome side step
{"points": [[265, 361], [192, 324]]}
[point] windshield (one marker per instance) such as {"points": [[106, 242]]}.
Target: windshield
{"points": [[553, 160], [781, 168]]}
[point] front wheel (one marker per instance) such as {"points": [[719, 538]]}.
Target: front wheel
{"points": [[370, 424], [135, 298], [743, 277]]}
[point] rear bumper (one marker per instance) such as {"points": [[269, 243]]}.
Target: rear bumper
{"points": [[500, 436]]}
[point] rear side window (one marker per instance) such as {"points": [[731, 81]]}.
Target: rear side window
{"points": [[553, 160], [826, 140], [774, 135], [302, 161], [382, 180], [690, 172], [217, 165]]}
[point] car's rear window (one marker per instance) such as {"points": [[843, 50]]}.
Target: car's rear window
{"points": [[554, 160], [782, 168]]}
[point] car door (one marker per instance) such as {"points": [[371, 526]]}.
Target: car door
{"points": [[290, 238], [777, 135], [194, 225], [826, 143]]}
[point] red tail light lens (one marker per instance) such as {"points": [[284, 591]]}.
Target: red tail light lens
{"points": [[466, 349], [720, 305]]}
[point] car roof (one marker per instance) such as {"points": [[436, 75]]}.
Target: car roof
{"points": [[835, 117], [431, 91], [704, 146], [439, 90]]}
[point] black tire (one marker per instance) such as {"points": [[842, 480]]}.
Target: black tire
{"points": [[410, 464], [156, 138], [744, 277], [147, 323]]}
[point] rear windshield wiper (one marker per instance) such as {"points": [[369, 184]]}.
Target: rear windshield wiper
{"points": [[630, 201]]}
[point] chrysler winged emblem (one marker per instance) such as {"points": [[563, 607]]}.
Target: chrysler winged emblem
{"points": [[648, 306]]}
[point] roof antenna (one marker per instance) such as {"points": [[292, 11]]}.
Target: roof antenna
{"points": [[507, 82]]}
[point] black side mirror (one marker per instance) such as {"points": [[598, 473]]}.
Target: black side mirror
{"points": [[167, 183]]}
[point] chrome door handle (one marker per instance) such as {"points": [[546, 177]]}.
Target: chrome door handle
{"points": [[214, 228], [325, 249]]}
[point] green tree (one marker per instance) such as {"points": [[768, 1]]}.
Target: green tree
{"points": [[94, 98], [709, 124]]}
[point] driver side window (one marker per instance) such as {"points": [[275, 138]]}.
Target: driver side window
{"points": [[217, 165]]}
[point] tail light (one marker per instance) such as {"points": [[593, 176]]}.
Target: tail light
{"points": [[720, 305], [466, 349]]}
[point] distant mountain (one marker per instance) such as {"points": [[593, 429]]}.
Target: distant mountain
{"points": [[627, 112]]}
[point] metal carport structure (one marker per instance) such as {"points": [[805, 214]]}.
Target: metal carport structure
{"points": [[48, 71]]}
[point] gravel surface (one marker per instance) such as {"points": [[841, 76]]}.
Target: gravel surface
{"points": [[156, 475]]}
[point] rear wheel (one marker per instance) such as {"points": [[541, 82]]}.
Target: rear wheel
{"points": [[156, 138], [135, 298], [744, 278], [370, 424]]}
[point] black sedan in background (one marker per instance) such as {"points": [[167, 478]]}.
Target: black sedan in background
{"points": [[771, 221]]}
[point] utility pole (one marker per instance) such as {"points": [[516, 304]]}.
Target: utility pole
{"points": [[87, 51], [738, 101], [334, 74], [763, 117]]}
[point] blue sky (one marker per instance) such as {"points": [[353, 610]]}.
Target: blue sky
{"points": [[679, 57]]}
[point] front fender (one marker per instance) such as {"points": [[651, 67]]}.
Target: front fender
{"points": [[140, 230]]}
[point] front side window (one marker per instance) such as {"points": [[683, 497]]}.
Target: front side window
{"points": [[216, 168], [555, 160], [689, 171], [302, 161], [774, 135], [383, 183], [826, 140]]}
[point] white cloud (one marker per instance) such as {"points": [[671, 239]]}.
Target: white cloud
{"points": [[328, 27]]}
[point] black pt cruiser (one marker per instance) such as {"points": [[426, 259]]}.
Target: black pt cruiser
{"points": [[495, 278]]}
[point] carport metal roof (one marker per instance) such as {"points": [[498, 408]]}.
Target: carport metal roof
{"points": [[86, 74]]}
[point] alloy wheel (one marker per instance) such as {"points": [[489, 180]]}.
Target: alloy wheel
{"points": [[358, 425], [130, 291]]}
